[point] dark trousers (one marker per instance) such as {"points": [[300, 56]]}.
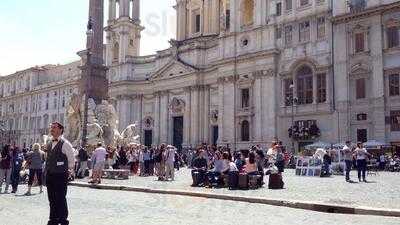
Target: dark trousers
{"points": [[15, 178], [32, 173], [56, 192], [349, 163], [147, 167], [361, 168]]}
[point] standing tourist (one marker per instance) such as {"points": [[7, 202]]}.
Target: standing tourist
{"points": [[35, 160], [60, 163], [169, 162], [17, 160], [161, 172], [5, 167], [361, 157], [348, 159], [99, 159], [83, 162]]}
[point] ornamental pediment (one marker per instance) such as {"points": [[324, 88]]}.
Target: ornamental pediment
{"points": [[172, 69]]}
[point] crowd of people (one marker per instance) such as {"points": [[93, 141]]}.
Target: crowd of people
{"points": [[160, 161], [212, 166]]}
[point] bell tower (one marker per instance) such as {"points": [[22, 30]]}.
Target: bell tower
{"points": [[123, 30]]}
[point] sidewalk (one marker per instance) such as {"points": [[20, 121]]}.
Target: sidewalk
{"points": [[381, 192]]}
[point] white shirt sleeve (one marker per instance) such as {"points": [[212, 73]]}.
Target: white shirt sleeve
{"points": [[69, 152]]}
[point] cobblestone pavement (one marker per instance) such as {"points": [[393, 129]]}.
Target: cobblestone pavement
{"points": [[382, 191], [101, 207]]}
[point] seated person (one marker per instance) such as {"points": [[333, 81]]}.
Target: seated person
{"points": [[252, 168], [221, 165], [239, 161], [199, 166], [251, 165]]}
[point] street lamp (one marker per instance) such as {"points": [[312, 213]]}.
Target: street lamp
{"points": [[291, 100]]}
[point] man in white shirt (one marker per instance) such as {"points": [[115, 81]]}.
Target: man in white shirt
{"points": [[361, 156], [60, 162], [169, 162], [99, 159], [348, 159]]}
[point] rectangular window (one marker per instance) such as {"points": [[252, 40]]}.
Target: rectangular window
{"points": [[228, 19], [288, 4], [245, 98], [288, 35], [359, 42], [321, 27], [305, 90], [393, 36], [395, 120], [321, 88], [360, 88], [197, 27], [288, 89], [394, 85], [304, 31], [278, 8], [304, 2]]}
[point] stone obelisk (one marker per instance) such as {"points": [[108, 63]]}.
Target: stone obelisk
{"points": [[93, 83]]}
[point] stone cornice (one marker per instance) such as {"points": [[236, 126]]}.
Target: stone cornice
{"points": [[365, 13]]}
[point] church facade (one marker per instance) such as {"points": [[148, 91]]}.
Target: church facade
{"points": [[247, 72]]}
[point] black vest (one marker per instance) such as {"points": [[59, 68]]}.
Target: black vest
{"points": [[56, 161]]}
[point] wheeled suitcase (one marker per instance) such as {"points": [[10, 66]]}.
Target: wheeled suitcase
{"points": [[275, 181], [243, 181], [233, 180], [198, 179]]}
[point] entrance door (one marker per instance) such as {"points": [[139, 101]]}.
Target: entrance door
{"points": [[215, 135], [148, 138], [178, 132], [362, 135]]}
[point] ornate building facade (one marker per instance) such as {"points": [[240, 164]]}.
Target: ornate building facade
{"points": [[246, 72]]}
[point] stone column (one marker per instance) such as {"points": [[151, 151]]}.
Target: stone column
{"points": [[206, 115], [157, 119], [205, 16], [259, 12], [235, 25], [269, 116], [194, 115], [123, 46], [164, 112], [181, 17], [215, 16], [257, 93], [221, 134], [136, 10], [186, 117], [123, 8], [315, 89], [109, 46], [112, 10]]}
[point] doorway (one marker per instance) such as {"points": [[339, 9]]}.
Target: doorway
{"points": [[178, 132], [148, 138], [214, 135], [362, 135]]}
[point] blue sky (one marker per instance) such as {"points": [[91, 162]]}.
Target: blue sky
{"points": [[52, 31]]}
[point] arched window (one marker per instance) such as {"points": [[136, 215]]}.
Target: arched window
{"points": [[248, 12], [245, 130], [304, 85], [116, 51]]}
